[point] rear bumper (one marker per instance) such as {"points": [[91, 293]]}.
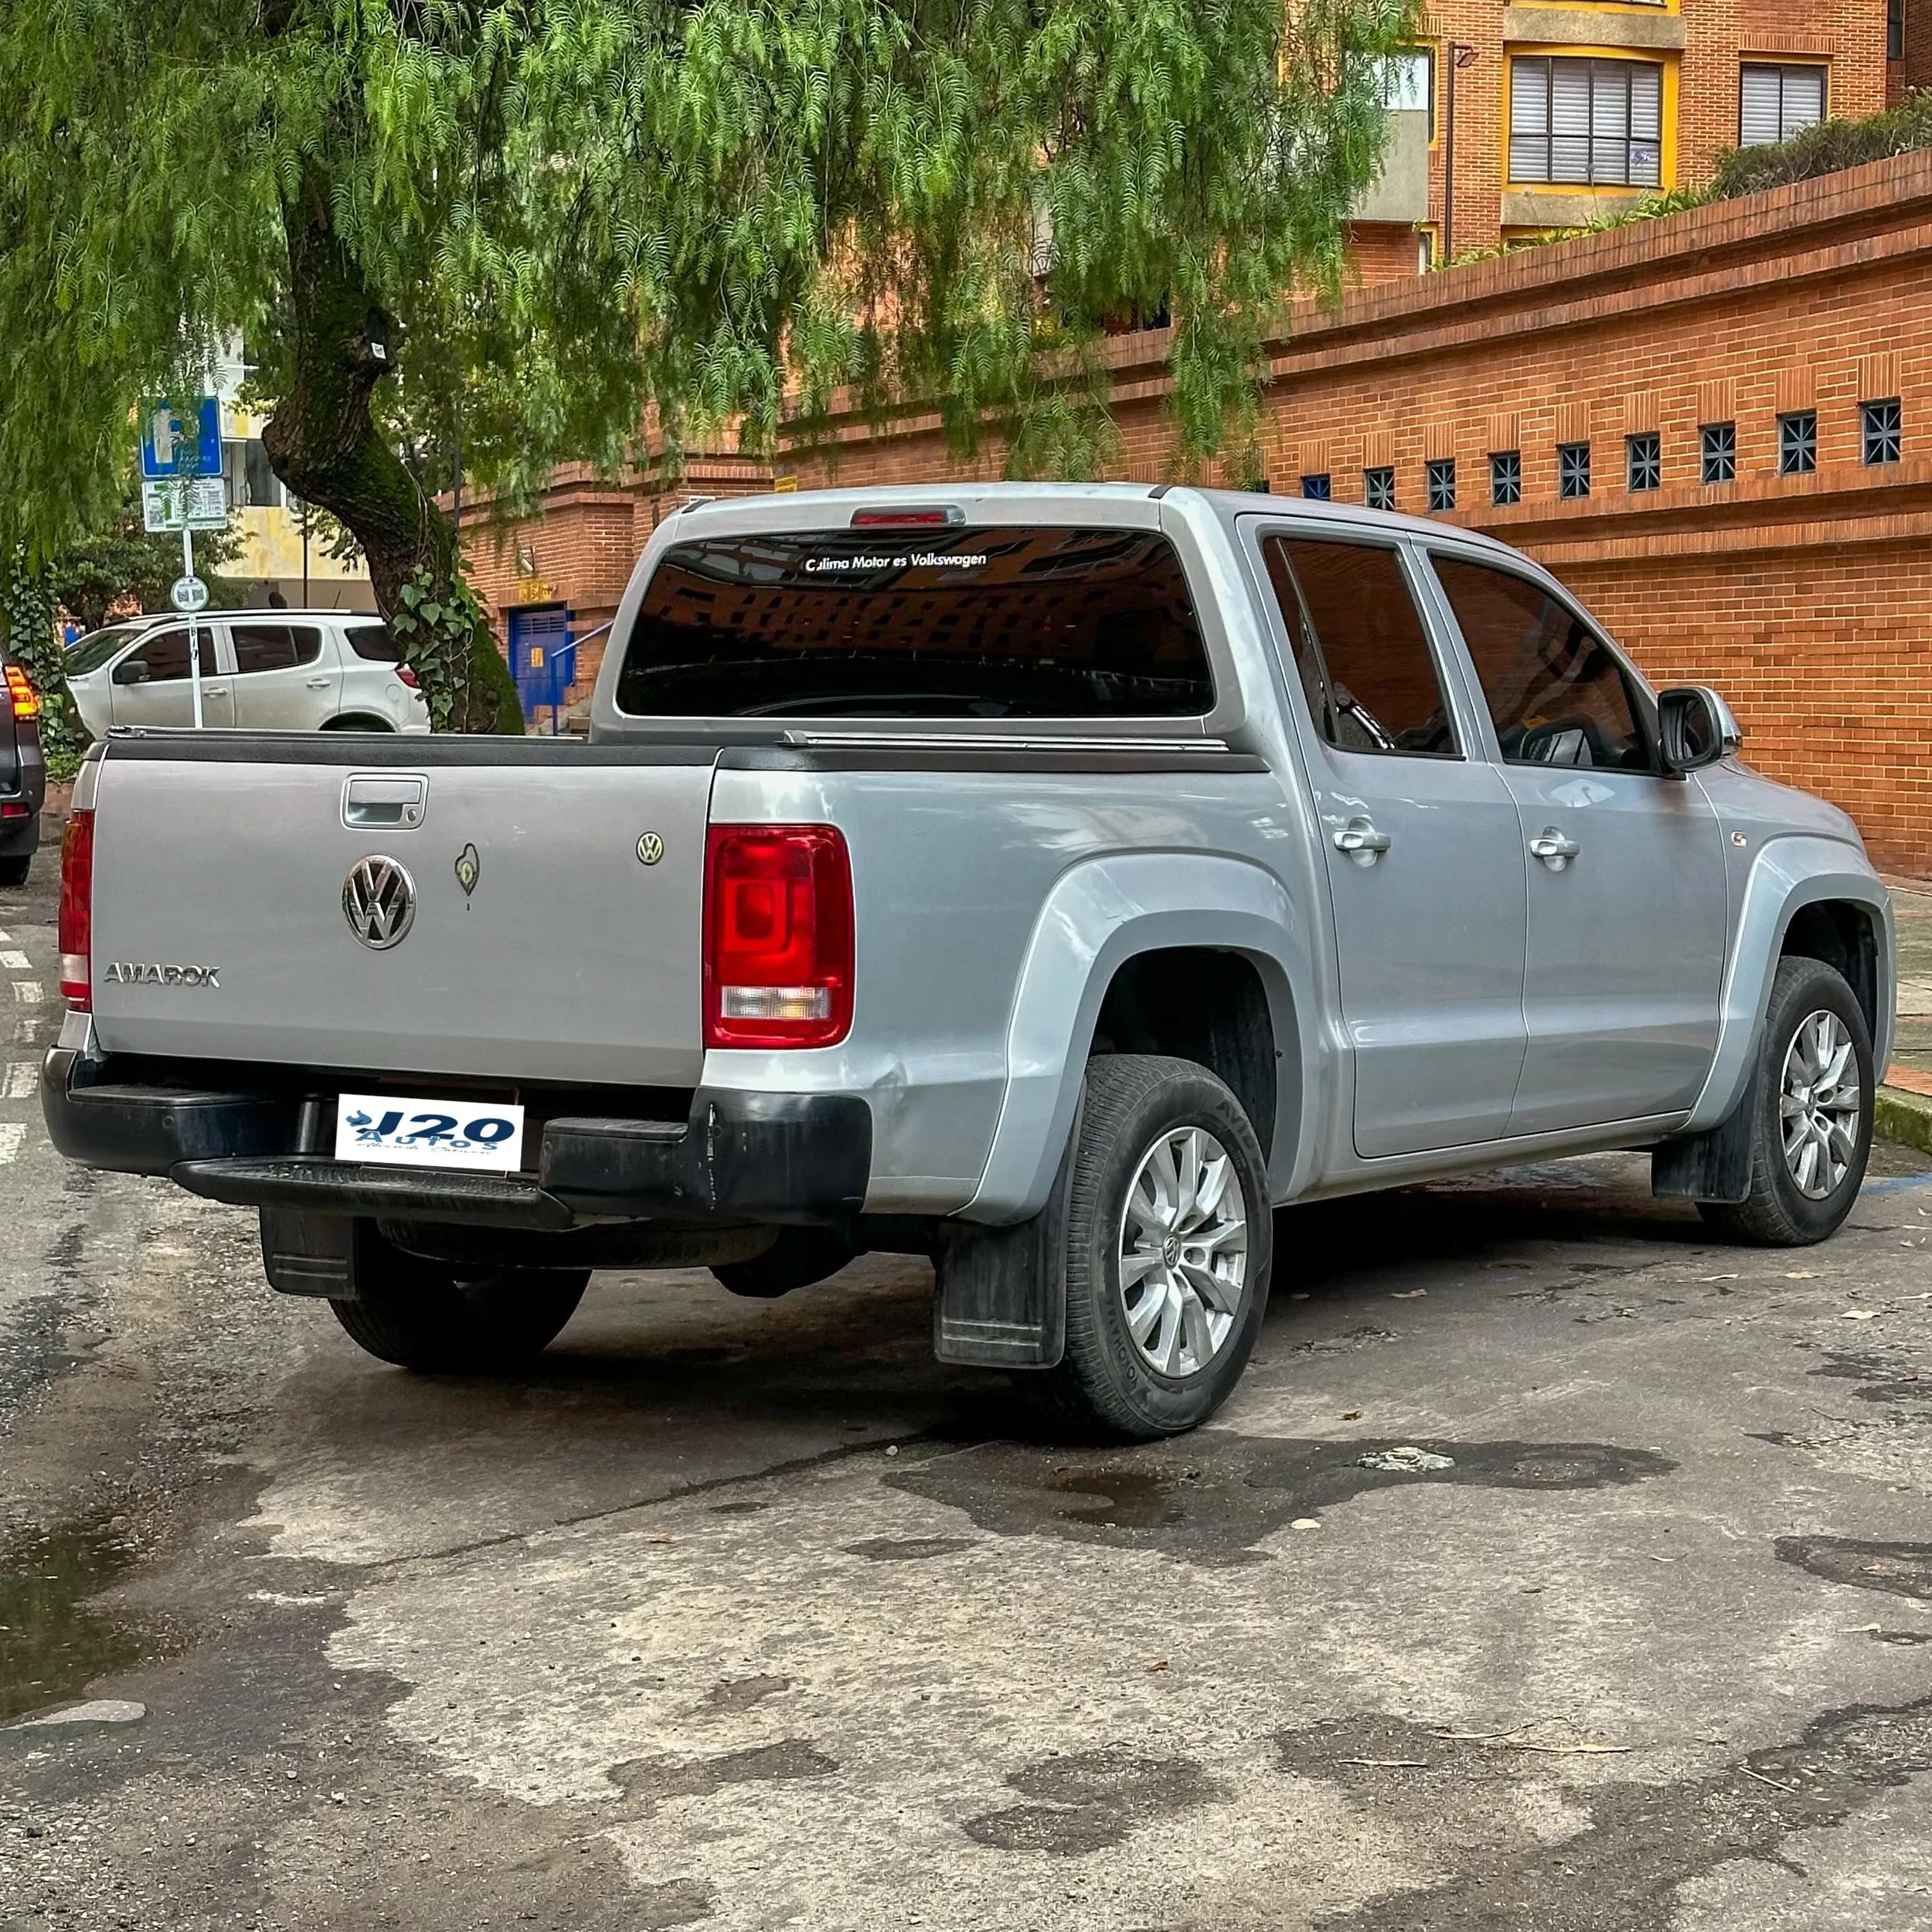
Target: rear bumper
{"points": [[20, 837], [778, 1158]]}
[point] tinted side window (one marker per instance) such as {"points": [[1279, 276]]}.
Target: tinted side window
{"points": [[166, 656], [1360, 649], [274, 647], [996, 621], [1557, 695], [373, 641]]}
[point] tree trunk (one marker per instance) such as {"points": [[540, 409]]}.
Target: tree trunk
{"points": [[324, 445]]}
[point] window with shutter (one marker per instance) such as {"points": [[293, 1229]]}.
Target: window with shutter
{"points": [[1529, 121], [1775, 103], [1586, 121]]}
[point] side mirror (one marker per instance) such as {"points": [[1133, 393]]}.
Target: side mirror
{"points": [[1695, 728], [131, 670]]}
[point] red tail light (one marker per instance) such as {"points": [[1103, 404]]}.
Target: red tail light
{"points": [[77, 912], [26, 700], [777, 924], [407, 674]]}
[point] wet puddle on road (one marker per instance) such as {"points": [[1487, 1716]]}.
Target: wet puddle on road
{"points": [[1212, 1498], [52, 1642]]}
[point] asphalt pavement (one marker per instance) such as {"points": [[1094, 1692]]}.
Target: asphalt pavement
{"points": [[1555, 1566]]}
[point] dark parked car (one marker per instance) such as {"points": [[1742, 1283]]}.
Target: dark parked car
{"points": [[23, 777]]}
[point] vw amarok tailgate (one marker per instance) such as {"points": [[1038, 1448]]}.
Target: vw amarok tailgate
{"points": [[523, 909]]}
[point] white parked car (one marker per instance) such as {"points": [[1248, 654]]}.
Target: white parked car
{"points": [[260, 670]]}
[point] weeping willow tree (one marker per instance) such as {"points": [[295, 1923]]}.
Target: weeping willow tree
{"points": [[528, 229]]}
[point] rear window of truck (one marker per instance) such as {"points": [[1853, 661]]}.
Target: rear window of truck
{"points": [[1007, 621]]}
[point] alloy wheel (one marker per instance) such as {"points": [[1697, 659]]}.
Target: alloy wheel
{"points": [[1819, 1105], [1183, 1252]]}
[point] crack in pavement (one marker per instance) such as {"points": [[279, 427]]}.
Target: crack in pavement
{"points": [[1620, 1872]]}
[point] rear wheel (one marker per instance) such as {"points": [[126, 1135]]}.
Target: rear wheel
{"points": [[427, 1316], [13, 872], [359, 723], [1812, 1130], [1169, 1241]]}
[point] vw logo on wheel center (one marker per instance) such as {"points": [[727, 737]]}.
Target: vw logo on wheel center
{"points": [[379, 901]]}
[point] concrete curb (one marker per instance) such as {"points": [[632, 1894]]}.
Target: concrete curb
{"points": [[1905, 1118]]}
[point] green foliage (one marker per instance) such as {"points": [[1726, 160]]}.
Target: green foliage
{"points": [[119, 560], [28, 638], [1826, 149], [446, 639], [581, 217]]}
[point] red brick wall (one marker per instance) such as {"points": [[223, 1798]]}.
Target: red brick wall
{"points": [[1380, 252], [1915, 70], [1807, 599]]}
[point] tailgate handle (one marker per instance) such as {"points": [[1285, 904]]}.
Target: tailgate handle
{"points": [[372, 800]]}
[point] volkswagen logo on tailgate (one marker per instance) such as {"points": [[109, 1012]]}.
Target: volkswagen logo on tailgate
{"points": [[379, 901]]}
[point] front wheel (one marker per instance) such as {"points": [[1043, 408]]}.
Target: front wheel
{"points": [[437, 1320], [1169, 1239], [1812, 1126]]}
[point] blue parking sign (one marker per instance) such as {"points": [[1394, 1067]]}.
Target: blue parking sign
{"points": [[172, 447]]}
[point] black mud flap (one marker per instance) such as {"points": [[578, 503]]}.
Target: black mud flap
{"points": [[310, 1254], [1714, 1166], [1003, 1291]]}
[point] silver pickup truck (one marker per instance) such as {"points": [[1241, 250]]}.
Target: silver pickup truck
{"points": [[1050, 880]]}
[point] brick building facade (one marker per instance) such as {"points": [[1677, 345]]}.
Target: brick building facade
{"points": [[1563, 111], [1780, 346]]}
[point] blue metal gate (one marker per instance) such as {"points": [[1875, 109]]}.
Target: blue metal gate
{"points": [[543, 658]]}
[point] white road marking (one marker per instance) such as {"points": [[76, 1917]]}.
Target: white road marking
{"points": [[11, 1134], [27, 992], [21, 1082], [6, 939], [15, 962]]}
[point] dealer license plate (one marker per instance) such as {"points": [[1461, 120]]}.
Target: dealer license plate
{"points": [[405, 1133]]}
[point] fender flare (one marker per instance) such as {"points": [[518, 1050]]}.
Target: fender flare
{"points": [[1098, 915], [1787, 875]]}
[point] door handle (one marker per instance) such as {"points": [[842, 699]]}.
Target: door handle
{"points": [[1554, 849], [318, 684], [214, 691], [1360, 840]]}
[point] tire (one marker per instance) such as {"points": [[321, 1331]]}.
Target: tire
{"points": [[422, 1315], [13, 872], [798, 1258], [356, 722], [1780, 1212], [1108, 1382]]}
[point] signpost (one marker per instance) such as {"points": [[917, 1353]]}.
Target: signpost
{"points": [[182, 489]]}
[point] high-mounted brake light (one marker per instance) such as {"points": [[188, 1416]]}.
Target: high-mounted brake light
{"points": [[778, 936], [77, 911], [939, 518], [26, 700]]}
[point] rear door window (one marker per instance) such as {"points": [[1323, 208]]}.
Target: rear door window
{"points": [[1011, 621], [274, 647], [1360, 649]]}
